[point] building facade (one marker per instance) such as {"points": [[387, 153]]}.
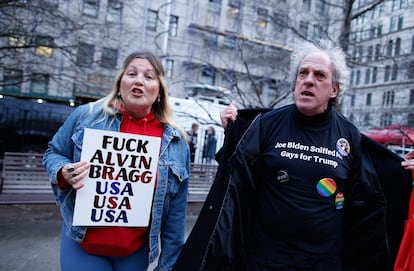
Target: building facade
{"points": [[221, 50], [215, 50], [382, 60]]}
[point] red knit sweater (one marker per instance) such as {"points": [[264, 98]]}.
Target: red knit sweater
{"points": [[122, 241]]}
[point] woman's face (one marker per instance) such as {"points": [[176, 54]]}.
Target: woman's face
{"points": [[139, 87]]}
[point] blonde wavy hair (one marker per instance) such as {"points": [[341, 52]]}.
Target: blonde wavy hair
{"points": [[160, 107]]}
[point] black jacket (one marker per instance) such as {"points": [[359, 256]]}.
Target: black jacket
{"points": [[374, 222]]}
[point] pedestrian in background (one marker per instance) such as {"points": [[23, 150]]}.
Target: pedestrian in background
{"points": [[192, 140], [210, 145], [138, 104]]}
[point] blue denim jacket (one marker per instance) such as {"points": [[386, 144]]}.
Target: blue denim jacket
{"points": [[170, 198]]}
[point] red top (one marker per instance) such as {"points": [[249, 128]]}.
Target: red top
{"points": [[122, 241]]}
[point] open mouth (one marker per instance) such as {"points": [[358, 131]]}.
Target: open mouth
{"points": [[307, 93], [137, 91]]}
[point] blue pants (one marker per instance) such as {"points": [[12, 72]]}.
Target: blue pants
{"points": [[74, 258]]}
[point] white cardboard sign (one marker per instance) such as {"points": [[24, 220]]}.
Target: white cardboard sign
{"points": [[119, 187]]}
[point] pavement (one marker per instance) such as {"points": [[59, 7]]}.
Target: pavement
{"points": [[30, 236]]}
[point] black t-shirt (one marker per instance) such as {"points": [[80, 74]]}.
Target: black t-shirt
{"points": [[306, 162]]}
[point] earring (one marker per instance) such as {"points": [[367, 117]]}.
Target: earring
{"points": [[159, 99], [118, 94]]}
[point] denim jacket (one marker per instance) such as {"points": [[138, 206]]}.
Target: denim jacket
{"points": [[167, 229]]}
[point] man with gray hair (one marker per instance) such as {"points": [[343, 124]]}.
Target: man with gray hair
{"points": [[299, 188], [307, 154]]}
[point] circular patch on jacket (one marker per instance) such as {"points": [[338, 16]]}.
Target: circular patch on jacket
{"points": [[326, 187], [343, 147], [282, 176]]}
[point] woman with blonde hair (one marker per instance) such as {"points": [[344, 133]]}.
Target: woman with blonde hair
{"points": [[138, 105]]}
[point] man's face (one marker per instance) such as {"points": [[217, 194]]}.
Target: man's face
{"points": [[314, 88]]}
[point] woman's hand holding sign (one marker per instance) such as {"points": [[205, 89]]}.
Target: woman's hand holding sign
{"points": [[75, 172]]}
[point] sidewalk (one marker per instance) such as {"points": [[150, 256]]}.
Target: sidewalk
{"points": [[30, 236]]}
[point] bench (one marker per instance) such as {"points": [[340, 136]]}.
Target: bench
{"points": [[24, 180], [201, 179]]}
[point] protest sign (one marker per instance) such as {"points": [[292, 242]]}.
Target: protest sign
{"points": [[119, 187]]}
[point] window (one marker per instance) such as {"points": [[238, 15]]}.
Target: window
{"points": [[377, 51], [410, 70], [273, 84], [85, 54], [386, 119], [317, 32], [379, 30], [234, 4], [39, 83], [388, 98], [381, 10], [12, 80], [370, 53], [152, 20], [214, 6], [410, 121], [90, 8], [366, 33], [208, 76], [412, 45], [113, 11], [320, 7], [389, 48], [306, 5], [353, 100], [173, 26], [257, 85], [394, 24], [109, 58], [374, 12], [367, 76], [228, 79], [374, 75], [394, 74], [369, 98], [351, 78], [367, 119], [397, 47], [372, 32], [229, 41], [358, 77], [17, 41], [279, 22], [411, 96], [360, 53], [387, 73], [395, 5], [169, 68], [44, 46], [303, 28], [210, 38], [400, 22]]}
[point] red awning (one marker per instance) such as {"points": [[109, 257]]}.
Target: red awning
{"points": [[392, 135]]}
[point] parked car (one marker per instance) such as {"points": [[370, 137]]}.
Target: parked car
{"points": [[27, 126]]}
